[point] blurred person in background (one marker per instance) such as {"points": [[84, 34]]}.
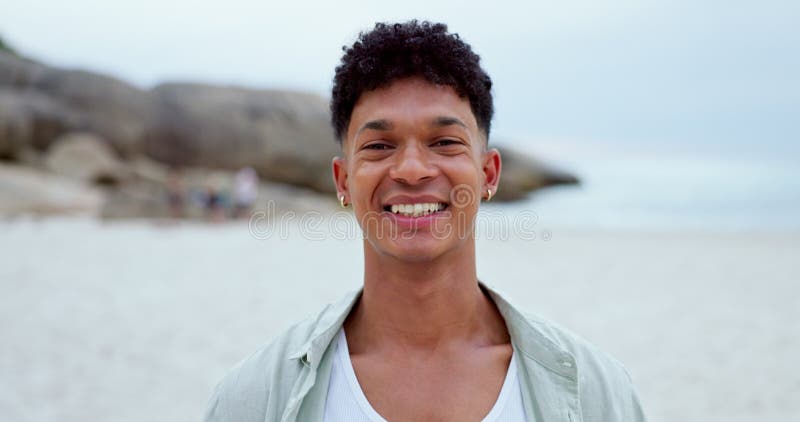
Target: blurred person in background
{"points": [[245, 190], [176, 194], [424, 339], [215, 200]]}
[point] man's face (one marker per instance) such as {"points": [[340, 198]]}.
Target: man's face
{"points": [[415, 168]]}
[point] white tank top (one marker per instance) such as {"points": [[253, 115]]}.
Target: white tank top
{"points": [[346, 401]]}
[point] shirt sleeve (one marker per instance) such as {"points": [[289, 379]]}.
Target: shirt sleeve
{"points": [[635, 407], [227, 406]]}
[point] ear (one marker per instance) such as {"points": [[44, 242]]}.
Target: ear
{"points": [[492, 165], [340, 178]]}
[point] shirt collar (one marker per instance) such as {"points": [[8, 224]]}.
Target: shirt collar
{"points": [[328, 323], [533, 337], [529, 334]]}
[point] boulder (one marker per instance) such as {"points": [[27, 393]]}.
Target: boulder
{"points": [[16, 71], [30, 119], [522, 174], [24, 190], [285, 136], [86, 158], [15, 131], [115, 110]]}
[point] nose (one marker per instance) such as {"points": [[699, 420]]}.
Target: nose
{"points": [[412, 165]]}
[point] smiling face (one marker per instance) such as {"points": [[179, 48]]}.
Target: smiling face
{"points": [[414, 167]]}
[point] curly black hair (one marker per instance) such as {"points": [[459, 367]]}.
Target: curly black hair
{"points": [[394, 51]]}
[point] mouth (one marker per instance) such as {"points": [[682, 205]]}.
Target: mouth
{"points": [[416, 210]]}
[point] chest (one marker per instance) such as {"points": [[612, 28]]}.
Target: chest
{"points": [[456, 388]]}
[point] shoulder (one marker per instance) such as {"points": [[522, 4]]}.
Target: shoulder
{"points": [[604, 388], [606, 391], [261, 380], [595, 364], [259, 387]]}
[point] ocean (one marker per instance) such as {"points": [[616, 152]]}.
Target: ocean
{"points": [[681, 190]]}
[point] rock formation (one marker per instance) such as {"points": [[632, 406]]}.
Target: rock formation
{"points": [[90, 127]]}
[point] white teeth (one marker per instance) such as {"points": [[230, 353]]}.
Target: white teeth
{"points": [[416, 210]]}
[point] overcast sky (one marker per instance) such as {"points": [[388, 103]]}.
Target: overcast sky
{"points": [[715, 75]]}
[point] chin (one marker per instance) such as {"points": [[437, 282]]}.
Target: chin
{"points": [[413, 250]]}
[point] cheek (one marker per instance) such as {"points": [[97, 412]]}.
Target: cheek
{"points": [[464, 175], [364, 179]]}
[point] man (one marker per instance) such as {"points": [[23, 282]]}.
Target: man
{"points": [[423, 340]]}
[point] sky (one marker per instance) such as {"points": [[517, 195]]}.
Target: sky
{"points": [[706, 76]]}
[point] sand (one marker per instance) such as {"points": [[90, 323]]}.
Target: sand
{"points": [[136, 321]]}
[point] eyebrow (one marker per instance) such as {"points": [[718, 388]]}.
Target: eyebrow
{"points": [[385, 125], [381, 124], [443, 121]]}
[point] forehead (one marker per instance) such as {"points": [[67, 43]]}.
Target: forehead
{"points": [[411, 101]]}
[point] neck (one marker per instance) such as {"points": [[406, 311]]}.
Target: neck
{"points": [[422, 305]]}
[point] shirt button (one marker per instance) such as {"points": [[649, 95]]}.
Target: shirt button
{"points": [[566, 364]]}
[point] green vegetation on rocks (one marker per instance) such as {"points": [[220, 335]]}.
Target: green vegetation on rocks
{"points": [[7, 48]]}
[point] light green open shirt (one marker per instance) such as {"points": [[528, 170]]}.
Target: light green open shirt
{"points": [[562, 377]]}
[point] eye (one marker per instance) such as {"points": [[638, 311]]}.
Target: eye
{"points": [[377, 146], [446, 142]]}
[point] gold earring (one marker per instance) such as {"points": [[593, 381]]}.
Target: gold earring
{"points": [[341, 201], [489, 194]]}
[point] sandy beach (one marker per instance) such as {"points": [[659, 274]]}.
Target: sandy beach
{"points": [[137, 321]]}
